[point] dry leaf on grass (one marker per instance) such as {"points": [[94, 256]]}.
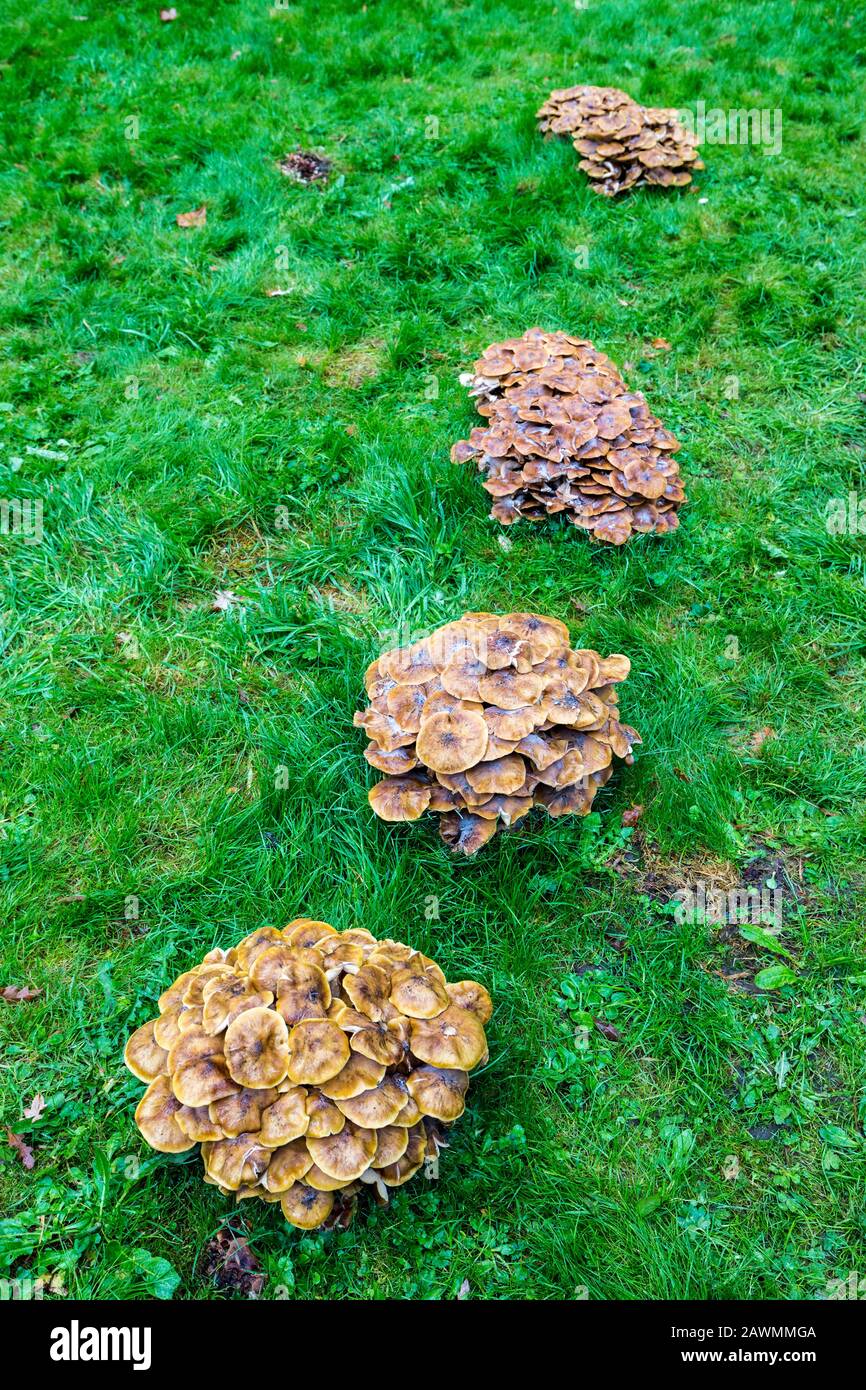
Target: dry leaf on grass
{"points": [[23, 1150], [196, 218], [19, 994], [35, 1108], [168, 15], [632, 815], [230, 1262]]}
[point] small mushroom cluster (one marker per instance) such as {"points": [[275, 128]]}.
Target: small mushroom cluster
{"points": [[565, 434], [623, 144], [488, 717], [307, 1060]]}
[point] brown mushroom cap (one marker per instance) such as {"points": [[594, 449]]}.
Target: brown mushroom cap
{"points": [[452, 742], [359, 1074], [241, 1113], [257, 1048], [439, 1091], [391, 1144], [306, 1208], [236, 1162], [368, 991], [199, 1071], [254, 944], [197, 1124], [156, 1117], [378, 1106], [285, 1119], [468, 994], [503, 775], [318, 1050], [466, 833], [324, 1116], [143, 1055], [509, 689], [416, 1151], [399, 798], [226, 998], [307, 931], [455, 1038], [410, 1114], [418, 995], [380, 1042], [344, 1155], [289, 1163], [315, 1177]]}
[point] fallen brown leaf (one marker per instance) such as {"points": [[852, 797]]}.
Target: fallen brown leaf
{"points": [[230, 1262], [305, 167], [661, 345], [196, 218], [23, 1150], [607, 1030], [168, 15], [15, 994], [632, 815]]}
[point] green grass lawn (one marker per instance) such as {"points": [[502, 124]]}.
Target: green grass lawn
{"points": [[189, 431]]}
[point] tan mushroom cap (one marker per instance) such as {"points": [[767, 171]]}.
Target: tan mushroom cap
{"points": [[454, 1038], [199, 1071], [380, 1043], [225, 999], [315, 1177], [409, 1115], [452, 742], [318, 1050], [203, 976], [509, 689], [286, 1118], [344, 1155], [254, 944], [368, 991], [468, 994], [418, 995], [466, 833], [324, 1116], [307, 931], [399, 798], [156, 1117], [416, 1151], [198, 1124], [236, 1162], [143, 1055], [377, 1107], [360, 1073], [391, 1144], [306, 1208], [257, 1048], [395, 762], [503, 775], [165, 1028], [439, 1092], [289, 1163], [241, 1113]]}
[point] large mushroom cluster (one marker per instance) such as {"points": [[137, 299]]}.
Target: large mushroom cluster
{"points": [[565, 434], [623, 144], [488, 717], [306, 1061]]}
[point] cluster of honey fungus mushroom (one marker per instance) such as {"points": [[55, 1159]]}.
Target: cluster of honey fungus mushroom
{"points": [[488, 717], [565, 434], [623, 144], [306, 1061]]}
